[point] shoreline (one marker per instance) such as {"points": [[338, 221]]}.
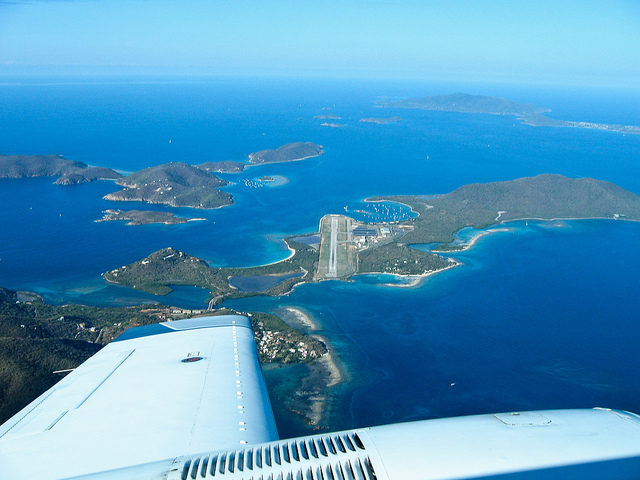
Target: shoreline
{"points": [[416, 279], [489, 230], [314, 401], [301, 317], [324, 374]]}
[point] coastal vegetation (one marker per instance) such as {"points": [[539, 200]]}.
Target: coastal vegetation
{"points": [[70, 172], [174, 184], [399, 259], [287, 153]]}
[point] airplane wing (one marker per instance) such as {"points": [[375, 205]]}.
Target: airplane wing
{"points": [[155, 392], [186, 400]]}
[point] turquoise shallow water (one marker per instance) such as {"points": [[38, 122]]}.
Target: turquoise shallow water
{"points": [[541, 316]]}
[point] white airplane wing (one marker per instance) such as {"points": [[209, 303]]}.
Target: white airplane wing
{"points": [[156, 392], [186, 400]]}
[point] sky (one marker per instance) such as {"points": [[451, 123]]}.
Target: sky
{"points": [[583, 42]]}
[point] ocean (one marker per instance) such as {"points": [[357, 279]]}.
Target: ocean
{"points": [[543, 315]]}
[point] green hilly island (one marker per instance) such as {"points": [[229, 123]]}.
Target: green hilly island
{"points": [[174, 184], [290, 152], [144, 217], [546, 197], [70, 172]]}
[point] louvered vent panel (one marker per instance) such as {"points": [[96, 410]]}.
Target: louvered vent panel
{"points": [[330, 457]]}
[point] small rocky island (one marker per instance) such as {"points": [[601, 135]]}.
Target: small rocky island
{"points": [[70, 172], [381, 121], [327, 117], [290, 152], [174, 184], [528, 114], [144, 217]]}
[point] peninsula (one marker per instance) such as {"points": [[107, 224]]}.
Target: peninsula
{"points": [[70, 172], [527, 113], [290, 152], [173, 184], [144, 217], [546, 197], [344, 247]]}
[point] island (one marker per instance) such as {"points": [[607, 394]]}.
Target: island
{"points": [[344, 247], [40, 342], [227, 166], [327, 117], [381, 121], [70, 172], [290, 152], [465, 103], [174, 184], [528, 114], [144, 217]]}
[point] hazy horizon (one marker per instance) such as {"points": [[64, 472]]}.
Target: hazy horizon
{"points": [[574, 43]]}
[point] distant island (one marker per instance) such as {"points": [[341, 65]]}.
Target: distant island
{"points": [[381, 121], [528, 114], [227, 166], [290, 152], [544, 121], [327, 117], [344, 247], [144, 217], [465, 103], [70, 172], [174, 184]]}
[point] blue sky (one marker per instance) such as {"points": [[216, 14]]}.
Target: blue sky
{"points": [[575, 42]]}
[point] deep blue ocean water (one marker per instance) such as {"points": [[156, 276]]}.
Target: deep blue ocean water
{"points": [[544, 315]]}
